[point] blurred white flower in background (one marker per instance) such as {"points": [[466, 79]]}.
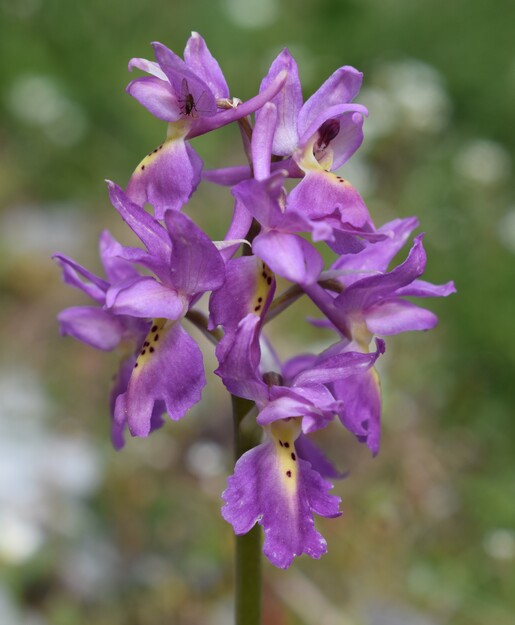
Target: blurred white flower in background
{"points": [[37, 100]]}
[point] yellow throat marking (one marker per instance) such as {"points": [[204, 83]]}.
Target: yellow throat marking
{"points": [[284, 433]]}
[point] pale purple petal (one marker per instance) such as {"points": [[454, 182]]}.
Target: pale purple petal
{"points": [[167, 177], [238, 229], [91, 325], [262, 137], [147, 66], [156, 96], [289, 256], [288, 102], [395, 316], [168, 369], [195, 264], [146, 298], [281, 494], [321, 193], [200, 60], [341, 87], [261, 199]]}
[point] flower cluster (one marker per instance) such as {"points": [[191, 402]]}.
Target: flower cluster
{"points": [[148, 291]]}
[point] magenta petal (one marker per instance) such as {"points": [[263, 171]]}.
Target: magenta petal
{"points": [[146, 298], [200, 60], [167, 177], [147, 66], [92, 326], [261, 492], [195, 264], [395, 316], [169, 370], [288, 102], [321, 193], [341, 87], [156, 96], [289, 256]]}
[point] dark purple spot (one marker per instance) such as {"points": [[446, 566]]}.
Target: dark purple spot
{"points": [[286, 445], [293, 456], [154, 151], [256, 308], [154, 328], [260, 299], [269, 281], [288, 473], [156, 337], [327, 132], [281, 443], [142, 167], [135, 365], [151, 350], [146, 344], [143, 352]]}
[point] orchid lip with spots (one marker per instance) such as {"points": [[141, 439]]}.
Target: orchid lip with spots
{"points": [[270, 258]]}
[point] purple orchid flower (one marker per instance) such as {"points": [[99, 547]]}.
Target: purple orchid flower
{"points": [[101, 328], [193, 97], [273, 484], [373, 303], [169, 367]]}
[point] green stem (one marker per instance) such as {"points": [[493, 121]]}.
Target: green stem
{"points": [[248, 546]]}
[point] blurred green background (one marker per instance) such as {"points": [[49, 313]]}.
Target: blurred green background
{"points": [[428, 534]]}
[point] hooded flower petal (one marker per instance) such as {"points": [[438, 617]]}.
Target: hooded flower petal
{"points": [[341, 87], [168, 369], [73, 274], [273, 487]]}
